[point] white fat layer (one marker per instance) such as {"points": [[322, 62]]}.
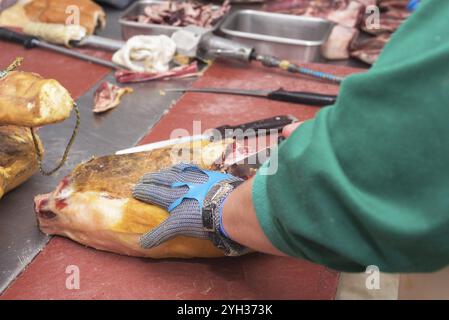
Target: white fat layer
{"points": [[56, 103], [91, 211], [65, 193]]}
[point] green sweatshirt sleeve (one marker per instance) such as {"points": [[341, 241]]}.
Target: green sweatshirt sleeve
{"points": [[366, 182]]}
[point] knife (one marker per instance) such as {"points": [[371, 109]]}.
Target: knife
{"points": [[309, 98], [240, 131]]}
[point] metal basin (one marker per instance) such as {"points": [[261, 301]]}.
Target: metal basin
{"points": [[292, 37]]}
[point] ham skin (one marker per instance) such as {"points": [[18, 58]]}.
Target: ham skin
{"points": [[94, 204], [28, 100], [126, 76], [18, 160], [91, 15]]}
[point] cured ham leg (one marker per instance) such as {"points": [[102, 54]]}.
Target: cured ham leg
{"points": [[91, 15], [17, 157], [94, 204], [28, 100]]}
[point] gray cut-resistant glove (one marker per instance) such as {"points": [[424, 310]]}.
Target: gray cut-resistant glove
{"points": [[194, 198]]}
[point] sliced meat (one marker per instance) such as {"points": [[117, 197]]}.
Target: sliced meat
{"points": [[369, 50], [345, 12], [108, 96], [126, 76], [392, 15], [338, 44], [353, 14], [183, 13], [349, 16], [367, 3], [388, 23]]}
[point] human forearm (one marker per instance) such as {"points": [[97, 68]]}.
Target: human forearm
{"points": [[241, 223]]}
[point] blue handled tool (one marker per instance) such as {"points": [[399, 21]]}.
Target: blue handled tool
{"points": [[413, 5]]}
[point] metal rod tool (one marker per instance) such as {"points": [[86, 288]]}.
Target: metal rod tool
{"points": [[30, 42], [218, 47]]}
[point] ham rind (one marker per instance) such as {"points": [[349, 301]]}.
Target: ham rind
{"points": [[90, 14], [126, 76], [28, 100], [18, 160], [94, 204], [108, 96]]}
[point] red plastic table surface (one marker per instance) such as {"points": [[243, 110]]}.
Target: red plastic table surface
{"points": [[76, 75], [109, 276]]}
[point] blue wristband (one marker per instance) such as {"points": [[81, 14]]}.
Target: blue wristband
{"points": [[220, 212], [413, 5]]}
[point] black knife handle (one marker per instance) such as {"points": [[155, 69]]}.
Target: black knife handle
{"points": [[277, 122], [314, 99], [20, 38]]}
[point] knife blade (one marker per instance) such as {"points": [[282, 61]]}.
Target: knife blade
{"points": [[301, 97], [246, 167], [240, 131]]}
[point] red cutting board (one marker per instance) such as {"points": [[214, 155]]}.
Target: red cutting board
{"points": [[110, 276]]}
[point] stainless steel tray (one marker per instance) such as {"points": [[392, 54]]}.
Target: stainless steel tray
{"points": [[133, 28], [288, 36]]}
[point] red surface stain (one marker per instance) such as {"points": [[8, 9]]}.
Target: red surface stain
{"points": [[110, 276], [60, 204]]}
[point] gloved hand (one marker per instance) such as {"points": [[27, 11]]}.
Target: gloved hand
{"points": [[194, 198]]}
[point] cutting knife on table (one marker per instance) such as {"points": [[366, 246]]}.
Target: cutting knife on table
{"points": [[309, 98], [273, 123]]}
